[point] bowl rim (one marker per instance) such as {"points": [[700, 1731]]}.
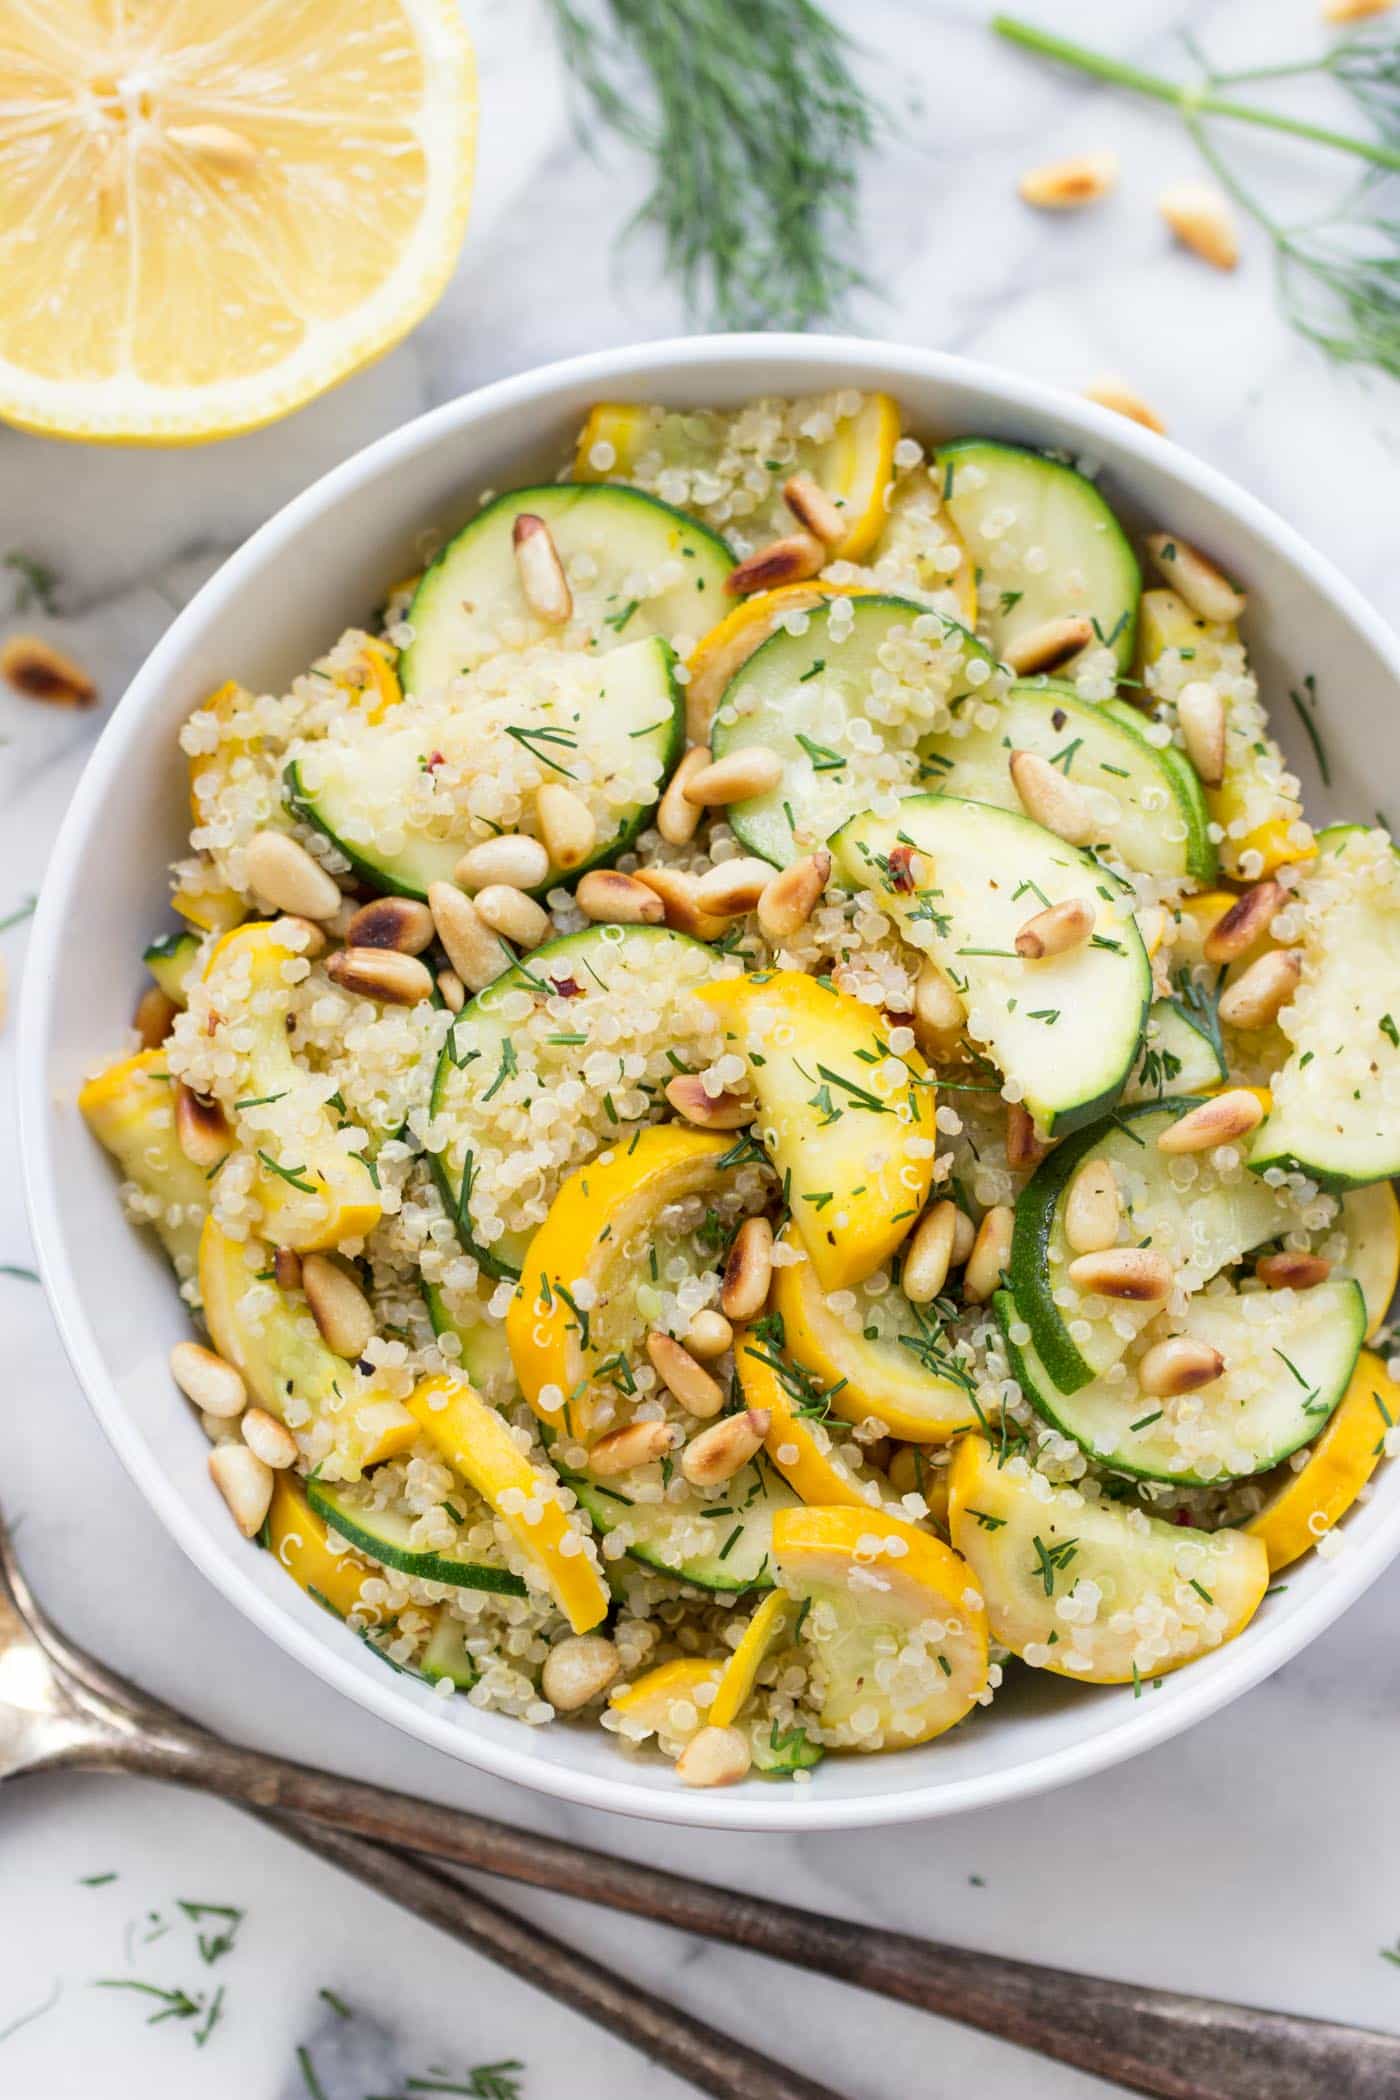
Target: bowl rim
{"points": [[1196, 1693]]}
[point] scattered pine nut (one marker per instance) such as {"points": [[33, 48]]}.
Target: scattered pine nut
{"points": [[714, 1757], [939, 1013], [723, 1111], [748, 1271], [1047, 647], [578, 1670], [207, 1381], [513, 857], [1261, 992], [1093, 1208], [638, 1444], [286, 1268], [452, 990], [1056, 930], [1137, 1274], [1206, 589], [1292, 1272], [245, 1483], [720, 1451], [304, 936], [709, 1334], [1201, 713], [475, 953], [929, 1254], [202, 1130], [683, 911], [790, 898], [1124, 401], [543, 583], [733, 886], [284, 874], [269, 1439], [991, 1251], [509, 912], [382, 974], [227, 152], [1179, 1365], [814, 510], [154, 1017], [613, 899], [1049, 799], [751, 770], [964, 1238], [1218, 1121], [391, 922], [790, 560], [1024, 1149], [1066, 185], [1202, 221], [1247, 921], [339, 1307], [567, 825], [676, 816], [39, 671], [684, 1379]]}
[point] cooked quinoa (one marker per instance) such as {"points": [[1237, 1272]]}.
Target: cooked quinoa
{"points": [[576, 1437]]}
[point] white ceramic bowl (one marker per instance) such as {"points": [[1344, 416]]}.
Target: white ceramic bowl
{"points": [[315, 569]]}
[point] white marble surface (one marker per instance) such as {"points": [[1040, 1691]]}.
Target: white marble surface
{"points": [[1259, 1857]]}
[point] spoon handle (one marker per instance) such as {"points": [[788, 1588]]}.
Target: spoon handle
{"points": [[1152, 2041]]}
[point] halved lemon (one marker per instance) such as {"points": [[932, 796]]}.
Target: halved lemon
{"points": [[212, 210]]}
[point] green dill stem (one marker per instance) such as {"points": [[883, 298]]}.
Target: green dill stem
{"points": [[1191, 101]]}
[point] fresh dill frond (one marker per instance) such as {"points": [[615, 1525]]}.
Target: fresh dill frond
{"points": [[756, 126], [36, 584]]}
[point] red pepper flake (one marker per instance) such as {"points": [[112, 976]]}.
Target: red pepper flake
{"points": [[901, 872], [565, 987], [433, 760]]}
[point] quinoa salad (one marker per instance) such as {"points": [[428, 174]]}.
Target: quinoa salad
{"points": [[767, 1108]]}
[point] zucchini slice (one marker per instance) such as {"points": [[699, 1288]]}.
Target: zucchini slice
{"points": [[1336, 1102], [1094, 1590], [494, 1069], [1152, 812], [635, 567], [1342, 1460], [589, 723], [1202, 1224], [485, 1353], [130, 1110], [844, 703], [959, 879], [723, 1543], [170, 960], [1177, 1056], [896, 1632], [300, 1542], [447, 1656], [385, 1535], [1010, 505], [1288, 1358]]}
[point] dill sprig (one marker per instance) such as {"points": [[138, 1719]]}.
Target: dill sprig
{"points": [[755, 125], [1339, 275]]}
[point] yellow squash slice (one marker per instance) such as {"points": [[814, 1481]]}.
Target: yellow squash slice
{"points": [[798, 1445], [212, 211], [896, 1629], [1339, 1465], [665, 1702], [1371, 1221], [303, 1546], [130, 1109], [769, 1627], [842, 1119], [474, 1439]]}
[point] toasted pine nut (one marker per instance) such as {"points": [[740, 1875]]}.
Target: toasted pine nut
{"points": [[1093, 1208], [339, 1307], [286, 1268], [714, 1757], [1247, 921], [245, 1483], [709, 1334], [382, 974], [723, 1111], [154, 1017], [683, 912], [1260, 993], [964, 1238], [1206, 589], [939, 1013], [790, 560], [270, 1439], [304, 936], [213, 1385], [612, 898], [685, 1379], [476, 953], [543, 583], [1292, 1272], [814, 510], [789, 899], [284, 873], [1024, 1149], [1065, 185], [1049, 799], [513, 857], [578, 1670], [227, 152], [567, 825], [721, 1450], [1138, 1274], [1046, 647], [751, 770], [1218, 1121], [676, 817], [1201, 713], [452, 989], [40, 672], [733, 887], [401, 923], [508, 911], [929, 1254], [1179, 1365], [1125, 401], [748, 1271], [638, 1444], [991, 1251], [1202, 221], [201, 1128], [1056, 930]]}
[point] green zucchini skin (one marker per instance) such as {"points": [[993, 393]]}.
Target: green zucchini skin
{"points": [[362, 1530], [170, 959], [747, 1566]]}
